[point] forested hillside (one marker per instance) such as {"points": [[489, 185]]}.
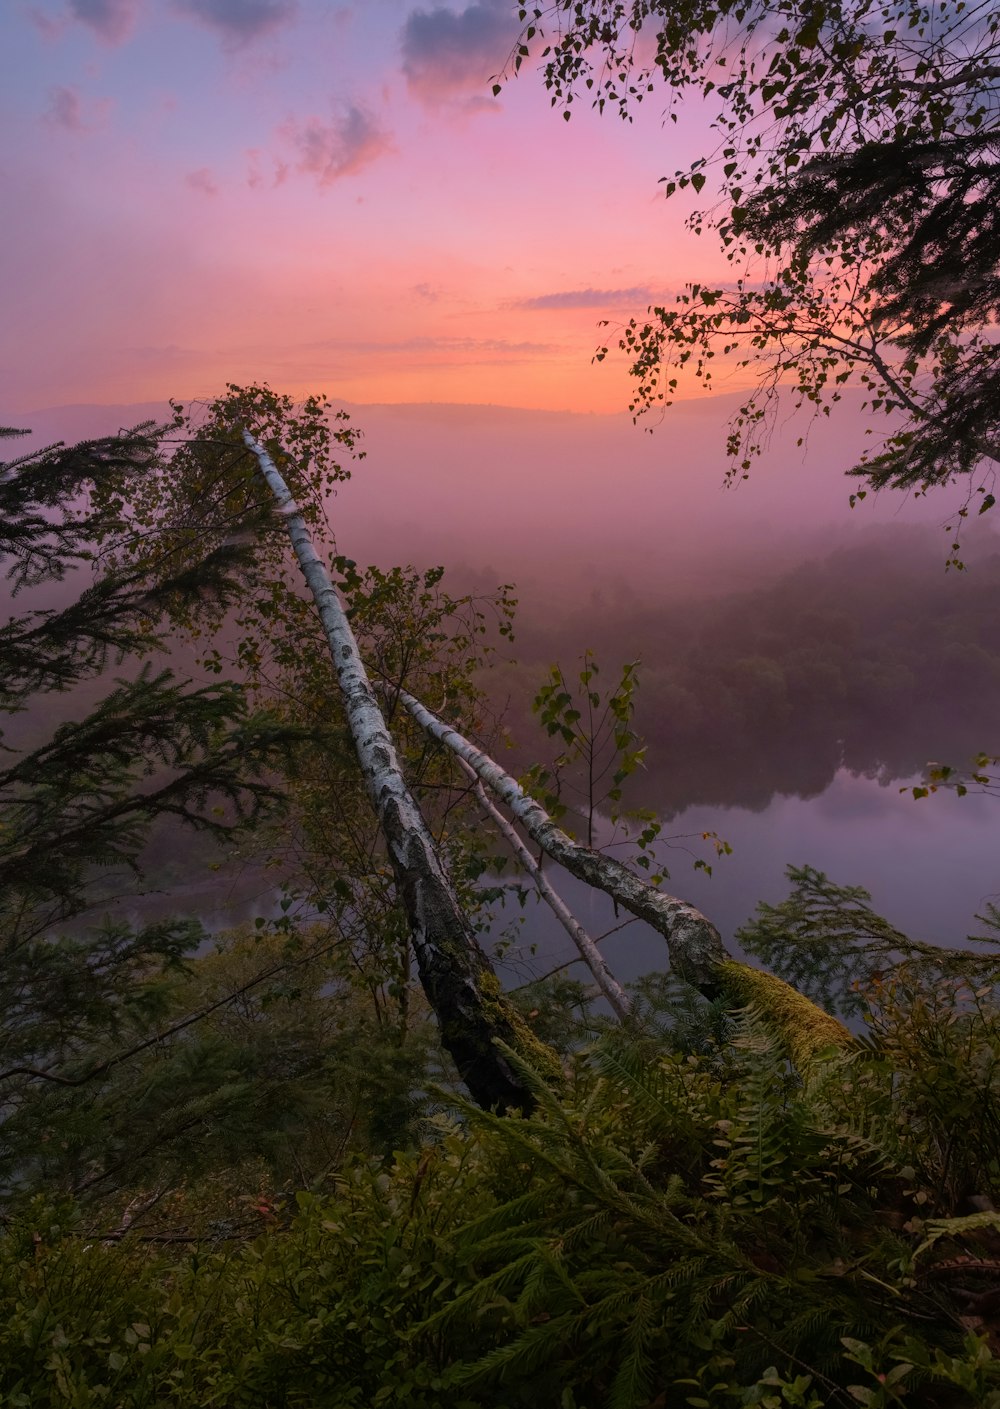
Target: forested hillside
{"points": [[872, 658]]}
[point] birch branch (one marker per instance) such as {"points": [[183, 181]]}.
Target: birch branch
{"points": [[455, 972], [696, 948], [620, 1002]]}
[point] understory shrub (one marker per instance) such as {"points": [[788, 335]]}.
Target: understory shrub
{"points": [[704, 1228]]}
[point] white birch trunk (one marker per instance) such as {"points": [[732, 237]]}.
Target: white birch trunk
{"points": [[696, 948], [621, 1004], [451, 963]]}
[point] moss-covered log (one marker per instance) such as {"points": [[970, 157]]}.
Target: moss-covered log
{"points": [[804, 1027]]}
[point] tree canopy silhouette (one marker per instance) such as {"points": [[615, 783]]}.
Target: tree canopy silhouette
{"points": [[77, 801], [857, 180]]}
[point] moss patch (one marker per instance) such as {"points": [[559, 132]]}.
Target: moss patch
{"points": [[538, 1055], [803, 1026]]}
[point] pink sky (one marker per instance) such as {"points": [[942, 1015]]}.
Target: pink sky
{"points": [[323, 196]]}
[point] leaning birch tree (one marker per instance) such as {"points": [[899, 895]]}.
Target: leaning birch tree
{"points": [[696, 949], [586, 945], [454, 970], [697, 952], [253, 467]]}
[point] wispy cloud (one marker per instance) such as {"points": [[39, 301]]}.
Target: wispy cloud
{"points": [[239, 21], [255, 174], [72, 113], [448, 54], [338, 148], [202, 180], [462, 347], [111, 20], [588, 298]]}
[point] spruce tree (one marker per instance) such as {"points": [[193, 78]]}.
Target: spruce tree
{"points": [[80, 798]]}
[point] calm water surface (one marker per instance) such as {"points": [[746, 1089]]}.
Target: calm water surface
{"points": [[930, 866]]}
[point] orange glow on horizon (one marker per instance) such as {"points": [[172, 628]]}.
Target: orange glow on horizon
{"points": [[193, 212]]}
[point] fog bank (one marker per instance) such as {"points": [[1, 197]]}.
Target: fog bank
{"points": [[567, 504]]}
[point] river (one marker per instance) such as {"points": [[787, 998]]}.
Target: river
{"points": [[504, 495], [931, 865]]}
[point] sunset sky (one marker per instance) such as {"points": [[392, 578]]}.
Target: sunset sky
{"points": [[322, 195]]}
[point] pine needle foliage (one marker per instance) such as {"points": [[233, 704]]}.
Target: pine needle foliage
{"points": [[77, 800], [153, 746], [829, 944]]}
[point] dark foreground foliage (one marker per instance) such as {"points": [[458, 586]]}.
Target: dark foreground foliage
{"points": [[684, 1224]]}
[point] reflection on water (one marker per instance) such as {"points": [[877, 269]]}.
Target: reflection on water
{"points": [[930, 866]]}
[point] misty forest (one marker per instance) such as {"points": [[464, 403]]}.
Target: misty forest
{"points": [[398, 1008]]}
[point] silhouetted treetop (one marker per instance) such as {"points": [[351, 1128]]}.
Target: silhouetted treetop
{"points": [[855, 161]]}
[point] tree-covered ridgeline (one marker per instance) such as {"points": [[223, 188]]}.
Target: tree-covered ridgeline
{"points": [[869, 658]]}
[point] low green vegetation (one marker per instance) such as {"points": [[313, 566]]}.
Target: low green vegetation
{"points": [[691, 1221]]}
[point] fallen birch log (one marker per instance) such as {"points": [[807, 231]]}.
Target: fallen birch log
{"points": [[697, 952], [621, 1004], [696, 948], [456, 974]]}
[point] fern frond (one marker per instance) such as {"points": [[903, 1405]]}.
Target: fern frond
{"points": [[632, 1385], [804, 1027]]}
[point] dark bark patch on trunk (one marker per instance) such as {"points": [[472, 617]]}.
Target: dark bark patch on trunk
{"points": [[455, 973]]}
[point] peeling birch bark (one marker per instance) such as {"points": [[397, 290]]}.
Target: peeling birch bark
{"points": [[455, 972], [621, 1004], [695, 945]]}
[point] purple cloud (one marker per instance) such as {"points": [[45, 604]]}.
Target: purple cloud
{"points": [[67, 110], [111, 20], [202, 180], [239, 21], [449, 53], [340, 147], [588, 298]]}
